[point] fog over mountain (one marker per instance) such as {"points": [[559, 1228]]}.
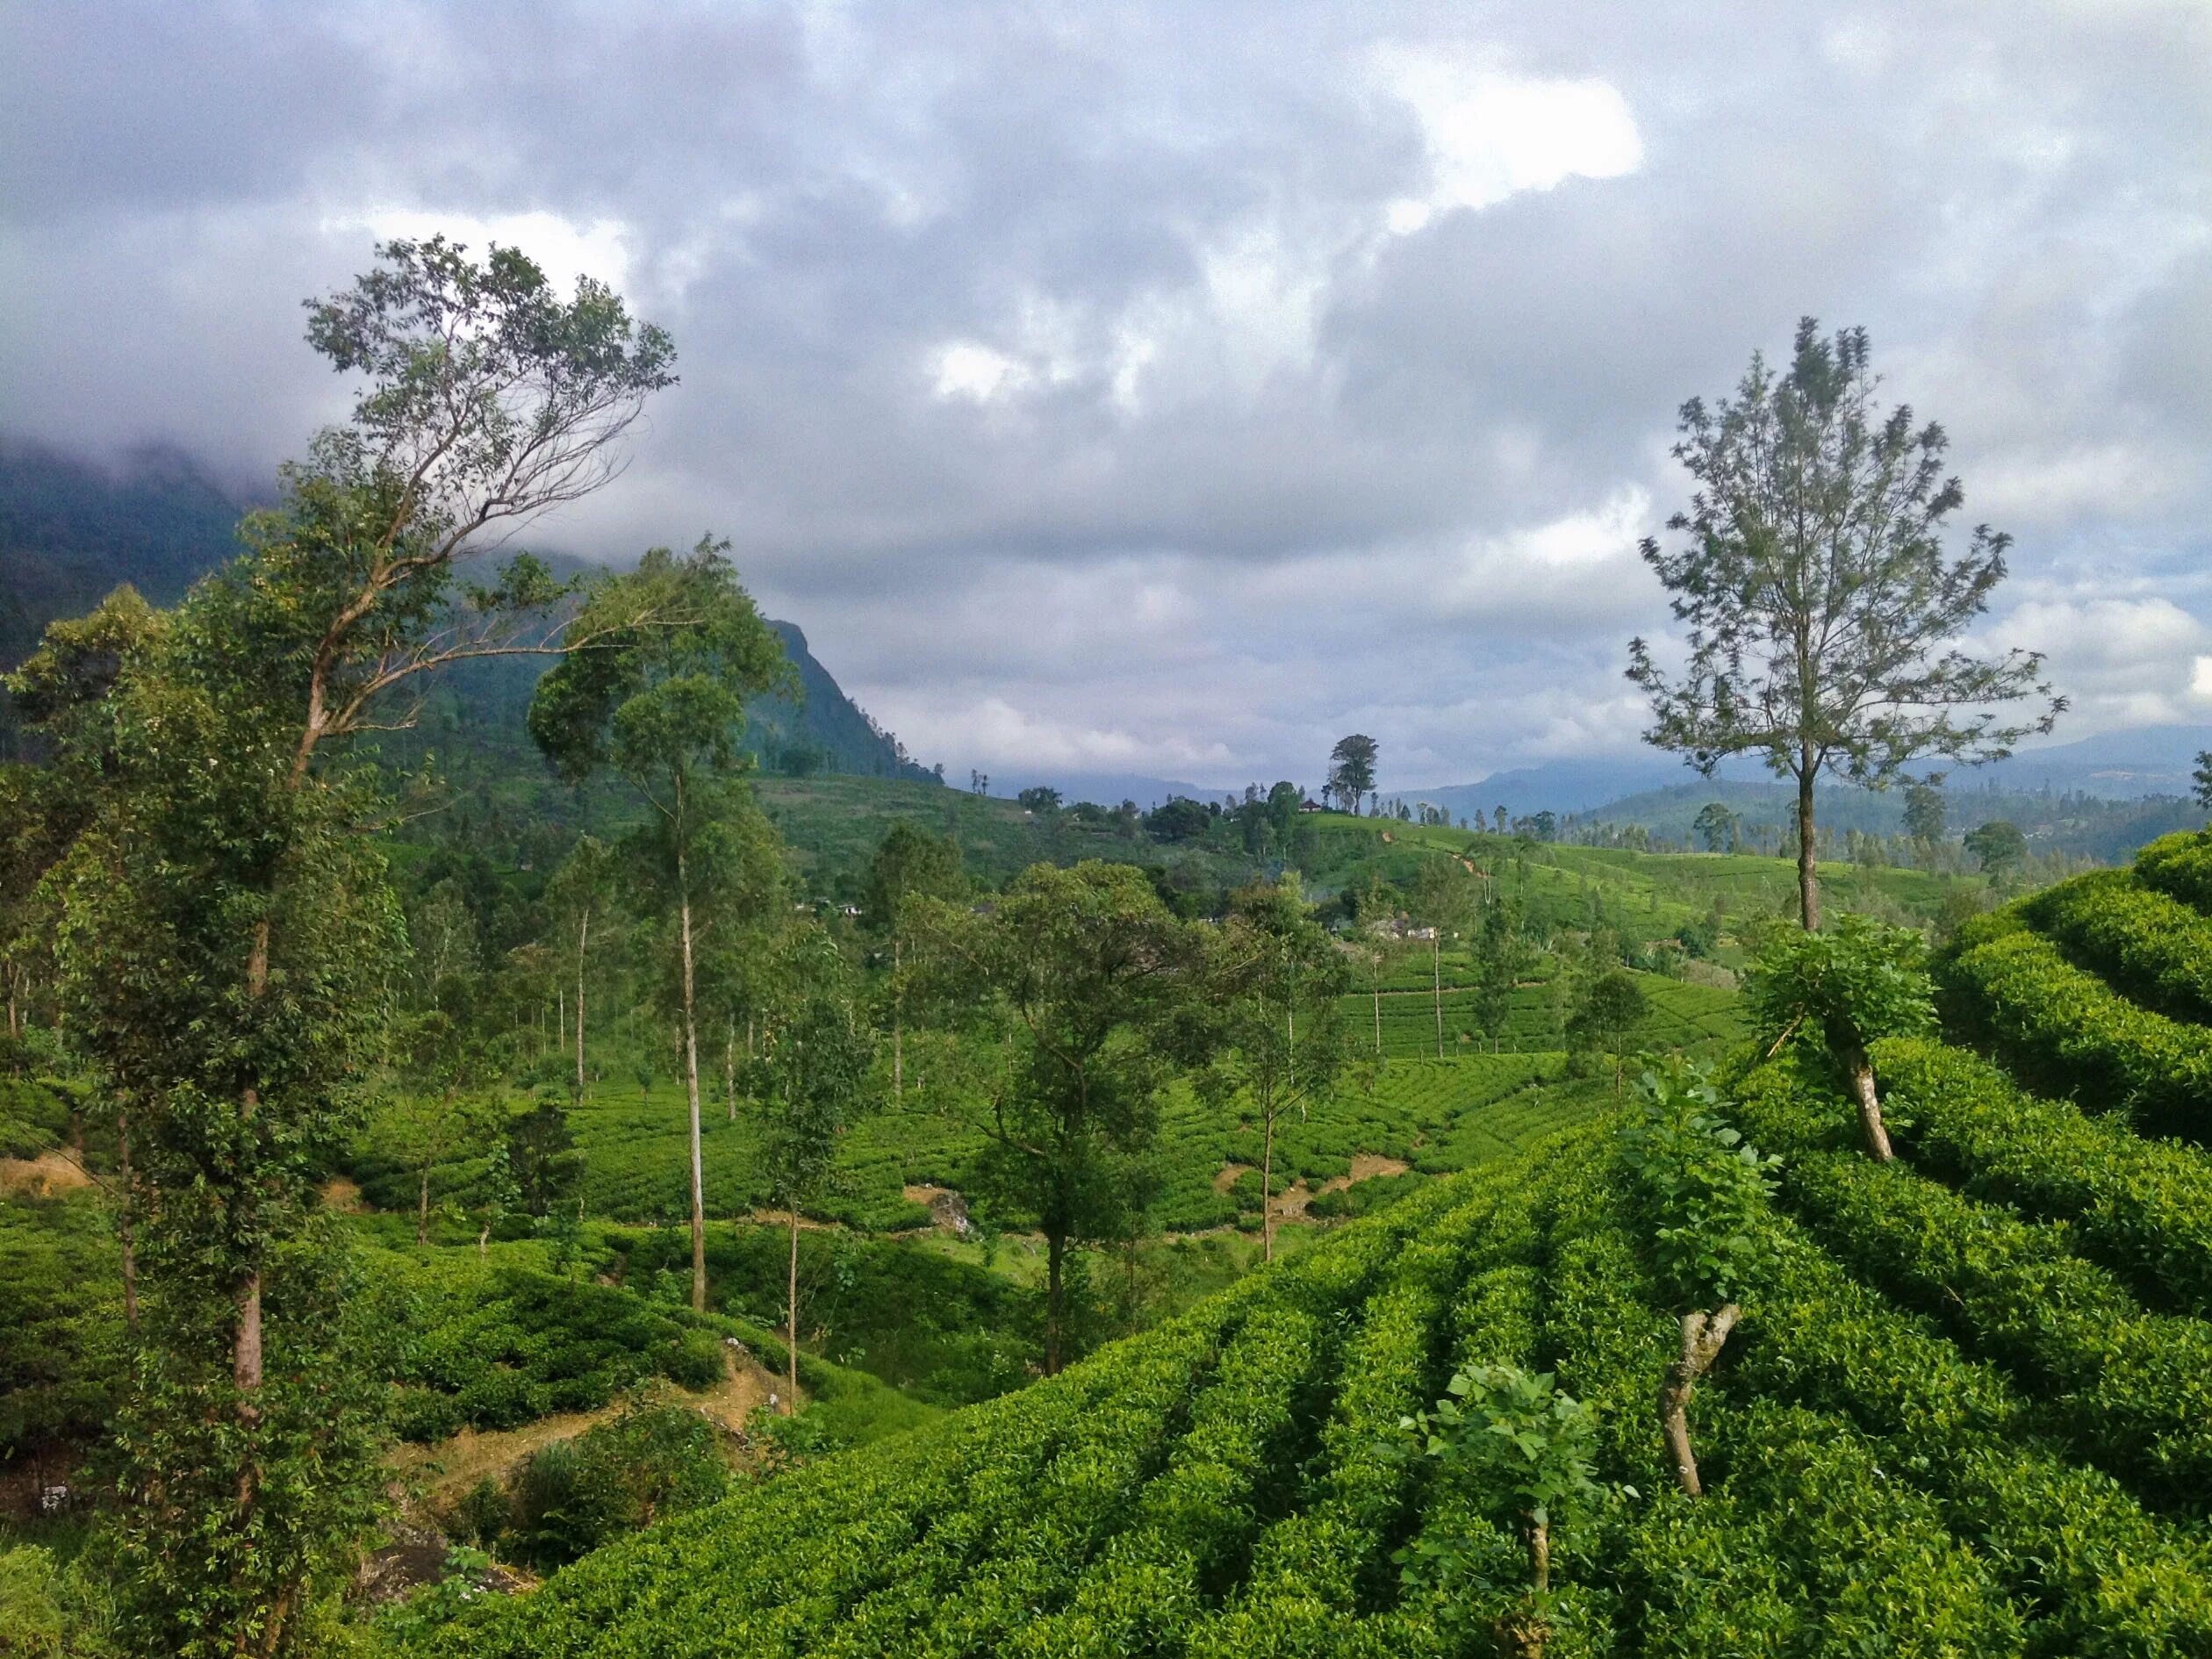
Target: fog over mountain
{"points": [[1162, 392]]}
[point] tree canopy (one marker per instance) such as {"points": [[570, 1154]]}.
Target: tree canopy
{"points": [[1819, 594]]}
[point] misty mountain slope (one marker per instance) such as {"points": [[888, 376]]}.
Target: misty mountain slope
{"points": [[71, 531]]}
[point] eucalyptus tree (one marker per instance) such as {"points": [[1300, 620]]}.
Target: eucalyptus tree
{"points": [[226, 923], [579, 892], [815, 1052], [910, 863], [1279, 1034], [665, 708], [1079, 994], [1820, 599], [1444, 898]]}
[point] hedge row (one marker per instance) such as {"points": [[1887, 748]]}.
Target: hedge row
{"points": [[1800, 1543], [2099, 1576], [2131, 1389], [2145, 942], [2063, 1031], [2142, 1207], [532, 1345], [2182, 865]]}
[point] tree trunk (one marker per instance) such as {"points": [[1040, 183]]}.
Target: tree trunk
{"points": [[1702, 1335], [1377, 982], [1808, 883], [1540, 1556], [729, 1066], [898, 1024], [691, 1086], [130, 1243], [422, 1207], [1267, 1186], [582, 939], [790, 1303], [1436, 982], [483, 1240], [1869, 1105], [1055, 1252]]}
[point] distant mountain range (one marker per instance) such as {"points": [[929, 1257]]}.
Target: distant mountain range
{"points": [[2123, 766], [72, 530]]}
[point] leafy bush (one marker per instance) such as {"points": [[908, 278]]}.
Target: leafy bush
{"points": [[528, 1345], [1704, 1186], [650, 1461]]}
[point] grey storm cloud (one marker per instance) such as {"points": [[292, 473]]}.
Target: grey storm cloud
{"points": [[1169, 387]]}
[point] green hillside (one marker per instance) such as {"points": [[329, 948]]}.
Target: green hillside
{"points": [[1966, 1414]]}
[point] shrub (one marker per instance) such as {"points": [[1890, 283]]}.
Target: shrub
{"points": [[650, 1461]]}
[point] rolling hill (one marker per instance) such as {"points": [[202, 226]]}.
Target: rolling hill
{"points": [[1964, 1413]]}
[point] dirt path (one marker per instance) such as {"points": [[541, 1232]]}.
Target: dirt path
{"points": [[1290, 1204], [42, 1176], [475, 1455]]}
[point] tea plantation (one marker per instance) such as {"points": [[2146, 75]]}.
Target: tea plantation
{"points": [[1967, 1410]]}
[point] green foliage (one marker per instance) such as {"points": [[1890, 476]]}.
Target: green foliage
{"points": [[2179, 867], [2141, 1207], [1520, 1440], [2145, 943], [502, 1352], [647, 1462], [1847, 987], [1089, 990], [1606, 1008], [190, 1577], [1704, 1186], [2063, 1031], [53, 1609], [1998, 846], [65, 1360], [1819, 599]]}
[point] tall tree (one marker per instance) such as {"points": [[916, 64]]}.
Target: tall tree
{"points": [[1998, 844], [815, 1054], [578, 893], [1820, 597], [1502, 955], [1278, 1002], [1443, 897], [1087, 991], [665, 708], [1924, 811], [910, 863], [1715, 826], [225, 922], [1352, 770]]}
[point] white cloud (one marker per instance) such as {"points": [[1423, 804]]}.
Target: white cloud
{"points": [[978, 373], [2121, 661], [1490, 134]]}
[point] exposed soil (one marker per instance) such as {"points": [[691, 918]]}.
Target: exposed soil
{"points": [[341, 1197], [948, 1209], [1291, 1203], [1228, 1176], [42, 1176]]}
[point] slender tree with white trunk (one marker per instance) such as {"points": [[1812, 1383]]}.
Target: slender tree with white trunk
{"points": [[664, 709]]}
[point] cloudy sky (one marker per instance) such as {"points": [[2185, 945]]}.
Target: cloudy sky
{"points": [[1174, 387]]}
